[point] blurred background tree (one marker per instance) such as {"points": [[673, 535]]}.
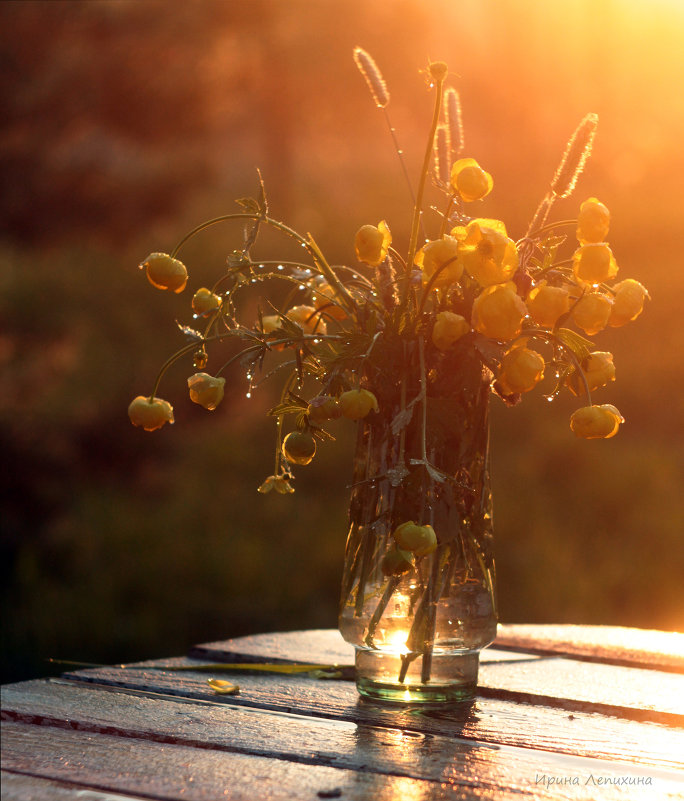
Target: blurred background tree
{"points": [[126, 123]]}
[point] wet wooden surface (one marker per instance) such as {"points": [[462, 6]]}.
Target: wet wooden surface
{"points": [[562, 713]]}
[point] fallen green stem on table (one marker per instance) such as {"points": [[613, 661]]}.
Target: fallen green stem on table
{"points": [[296, 668]]}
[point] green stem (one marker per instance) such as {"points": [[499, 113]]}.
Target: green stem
{"points": [[418, 208], [445, 218], [549, 227], [308, 242], [392, 585]]}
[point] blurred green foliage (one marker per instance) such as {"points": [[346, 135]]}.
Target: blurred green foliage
{"points": [[126, 125]]}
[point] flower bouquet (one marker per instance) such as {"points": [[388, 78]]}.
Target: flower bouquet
{"points": [[411, 347]]}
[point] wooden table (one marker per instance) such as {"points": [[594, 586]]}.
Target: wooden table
{"points": [[562, 712]]}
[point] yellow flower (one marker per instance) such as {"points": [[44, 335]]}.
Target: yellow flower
{"points": [[307, 318], [596, 422], [470, 181], [322, 408], [269, 323], [593, 221], [547, 303], [498, 312], [594, 263], [206, 390], [435, 254], [395, 562], [299, 447], [420, 540], [324, 299], [371, 243], [521, 370], [628, 302], [448, 329], [591, 312], [205, 301], [357, 403], [150, 413], [598, 369], [486, 252], [281, 484], [163, 272]]}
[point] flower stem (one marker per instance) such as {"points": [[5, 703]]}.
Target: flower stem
{"points": [[418, 207]]}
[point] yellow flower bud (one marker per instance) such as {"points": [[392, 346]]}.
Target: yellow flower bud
{"points": [[324, 299], [521, 370], [200, 358], [596, 422], [591, 312], [498, 312], [357, 403], [470, 181], [598, 369], [547, 303], [163, 272], [270, 322], [371, 243], [307, 318], [420, 540], [396, 562], [448, 329], [150, 413], [206, 390], [299, 447], [322, 408], [593, 221], [205, 301], [435, 254], [438, 70], [628, 302], [485, 251], [594, 263]]}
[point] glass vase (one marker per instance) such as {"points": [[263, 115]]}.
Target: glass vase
{"points": [[419, 619]]}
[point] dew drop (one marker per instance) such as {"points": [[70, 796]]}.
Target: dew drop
{"points": [[301, 286], [280, 267], [248, 395]]}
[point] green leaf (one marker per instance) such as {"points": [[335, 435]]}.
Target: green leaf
{"points": [[292, 404], [190, 333], [249, 204], [578, 344]]}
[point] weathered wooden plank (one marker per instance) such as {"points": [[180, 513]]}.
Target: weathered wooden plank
{"points": [[632, 692], [123, 764], [298, 646], [489, 720], [343, 744], [19, 787], [645, 648], [570, 684]]}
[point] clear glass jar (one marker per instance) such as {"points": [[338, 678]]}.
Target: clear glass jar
{"points": [[418, 620]]}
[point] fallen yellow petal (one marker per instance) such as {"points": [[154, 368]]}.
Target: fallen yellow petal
{"points": [[221, 687]]}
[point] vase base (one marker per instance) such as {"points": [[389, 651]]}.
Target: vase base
{"points": [[452, 678]]}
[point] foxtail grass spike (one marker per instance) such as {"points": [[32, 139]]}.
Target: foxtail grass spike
{"points": [[454, 120], [576, 153], [369, 70]]}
